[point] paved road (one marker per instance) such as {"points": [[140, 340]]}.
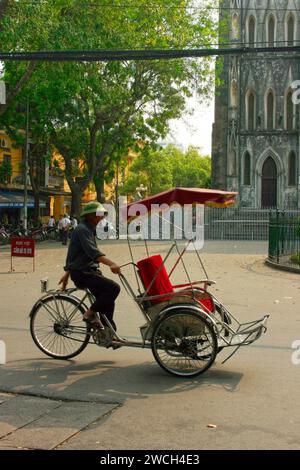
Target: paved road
{"points": [[121, 399]]}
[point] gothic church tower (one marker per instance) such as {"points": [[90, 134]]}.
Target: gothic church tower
{"points": [[256, 139]]}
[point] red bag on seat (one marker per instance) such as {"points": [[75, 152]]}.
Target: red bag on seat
{"points": [[148, 268]]}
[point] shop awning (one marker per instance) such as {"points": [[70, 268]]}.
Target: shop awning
{"points": [[15, 199]]}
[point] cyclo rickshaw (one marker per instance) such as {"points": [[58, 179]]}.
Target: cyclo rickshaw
{"points": [[185, 325]]}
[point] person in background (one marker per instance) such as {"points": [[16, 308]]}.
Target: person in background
{"points": [[60, 227], [65, 223], [51, 222]]}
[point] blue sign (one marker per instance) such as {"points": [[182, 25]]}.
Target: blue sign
{"points": [[18, 205]]}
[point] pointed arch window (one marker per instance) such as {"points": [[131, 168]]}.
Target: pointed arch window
{"points": [[292, 169], [247, 169], [250, 110], [234, 93], [289, 111], [270, 110], [271, 25], [251, 31], [290, 30], [235, 26]]}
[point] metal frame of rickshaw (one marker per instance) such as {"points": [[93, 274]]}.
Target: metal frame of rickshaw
{"points": [[227, 329], [237, 334]]}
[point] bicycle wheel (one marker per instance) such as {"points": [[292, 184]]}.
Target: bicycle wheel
{"points": [[184, 343], [57, 328]]}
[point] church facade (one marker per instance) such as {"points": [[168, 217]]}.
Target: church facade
{"points": [[256, 137]]}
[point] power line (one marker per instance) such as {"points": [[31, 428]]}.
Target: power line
{"points": [[167, 6], [258, 45], [147, 54]]}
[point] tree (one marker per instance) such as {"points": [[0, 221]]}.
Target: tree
{"points": [[31, 26], [153, 169], [191, 170], [5, 171], [26, 25], [92, 112], [166, 168]]}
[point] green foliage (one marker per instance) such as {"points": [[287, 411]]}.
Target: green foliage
{"points": [[5, 171], [295, 258], [170, 167], [96, 111]]}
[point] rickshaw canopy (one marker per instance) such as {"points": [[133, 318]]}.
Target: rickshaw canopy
{"points": [[183, 196]]}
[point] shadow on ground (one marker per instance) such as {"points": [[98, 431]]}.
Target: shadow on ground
{"points": [[103, 381]]}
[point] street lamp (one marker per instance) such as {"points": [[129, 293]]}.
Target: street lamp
{"points": [[140, 190]]}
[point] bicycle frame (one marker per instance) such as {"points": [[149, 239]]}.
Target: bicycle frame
{"points": [[84, 302]]}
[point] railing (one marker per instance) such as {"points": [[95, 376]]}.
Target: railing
{"points": [[236, 223], [284, 239], [233, 223]]}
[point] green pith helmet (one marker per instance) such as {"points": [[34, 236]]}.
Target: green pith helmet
{"points": [[93, 207]]}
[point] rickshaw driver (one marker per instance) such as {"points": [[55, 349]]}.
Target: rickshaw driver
{"points": [[82, 265]]}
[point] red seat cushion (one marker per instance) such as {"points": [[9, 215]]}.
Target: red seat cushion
{"points": [[148, 268], [206, 300], [202, 297]]}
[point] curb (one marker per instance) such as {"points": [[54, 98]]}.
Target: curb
{"points": [[282, 267]]}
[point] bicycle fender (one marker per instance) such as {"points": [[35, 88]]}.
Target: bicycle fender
{"points": [[55, 293], [189, 307]]}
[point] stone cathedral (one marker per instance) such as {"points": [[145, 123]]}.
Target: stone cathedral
{"points": [[256, 138]]}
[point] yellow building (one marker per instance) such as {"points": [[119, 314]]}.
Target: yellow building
{"points": [[11, 182], [12, 156], [12, 186], [55, 192]]}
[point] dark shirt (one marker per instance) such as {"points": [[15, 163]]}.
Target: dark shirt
{"points": [[83, 251]]}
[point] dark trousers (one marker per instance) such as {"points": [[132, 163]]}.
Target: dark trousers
{"points": [[104, 290], [64, 237]]}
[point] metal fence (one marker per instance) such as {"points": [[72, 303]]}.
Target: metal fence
{"points": [[232, 223], [236, 223], [284, 239]]}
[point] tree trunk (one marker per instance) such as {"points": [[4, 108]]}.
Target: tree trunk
{"points": [[76, 203], [99, 185]]}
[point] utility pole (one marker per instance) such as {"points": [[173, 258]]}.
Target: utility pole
{"points": [[26, 167]]}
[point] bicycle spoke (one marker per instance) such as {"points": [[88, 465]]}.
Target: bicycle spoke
{"points": [[184, 344], [54, 332]]}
